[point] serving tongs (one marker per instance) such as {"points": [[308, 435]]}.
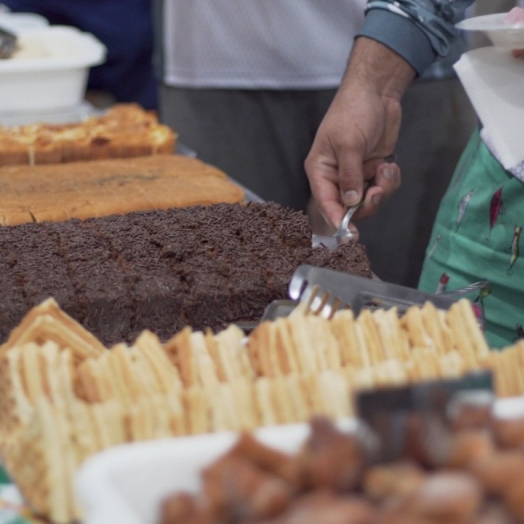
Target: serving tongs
{"points": [[324, 291], [8, 43], [310, 287], [416, 421]]}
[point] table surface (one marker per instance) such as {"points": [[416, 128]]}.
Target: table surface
{"points": [[13, 510]]}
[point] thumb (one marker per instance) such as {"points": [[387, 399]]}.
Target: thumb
{"points": [[350, 177]]}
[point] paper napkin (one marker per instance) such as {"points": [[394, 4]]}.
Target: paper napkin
{"points": [[494, 82]]}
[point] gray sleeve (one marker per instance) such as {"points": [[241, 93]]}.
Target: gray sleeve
{"points": [[418, 30]]}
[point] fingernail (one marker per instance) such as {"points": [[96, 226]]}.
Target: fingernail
{"points": [[376, 199], [387, 172], [350, 198]]}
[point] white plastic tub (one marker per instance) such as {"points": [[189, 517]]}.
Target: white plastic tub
{"points": [[56, 77]]}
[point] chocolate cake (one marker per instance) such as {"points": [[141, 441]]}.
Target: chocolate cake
{"points": [[161, 270]]}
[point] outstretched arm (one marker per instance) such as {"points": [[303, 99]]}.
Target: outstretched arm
{"points": [[399, 39], [359, 131]]}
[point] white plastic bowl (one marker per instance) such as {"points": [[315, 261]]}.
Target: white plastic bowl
{"points": [[16, 22], [502, 35], [53, 81]]}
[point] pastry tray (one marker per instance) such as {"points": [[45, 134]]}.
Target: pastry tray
{"points": [[127, 483]]}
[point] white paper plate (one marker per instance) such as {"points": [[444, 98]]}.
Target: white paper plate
{"points": [[127, 483], [502, 35]]}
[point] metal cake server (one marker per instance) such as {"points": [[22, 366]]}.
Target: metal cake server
{"points": [[341, 235]]}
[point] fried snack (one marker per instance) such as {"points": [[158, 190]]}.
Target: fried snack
{"points": [[233, 481], [196, 410], [283, 400], [512, 370], [330, 459], [264, 402], [447, 497], [16, 409], [469, 339], [205, 368], [497, 472], [228, 351], [287, 353], [333, 397], [149, 349], [436, 327], [372, 340], [149, 418], [267, 459], [183, 508], [391, 372], [468, 446], [509, 432], [233, 406], [413, 323], [395, 340], [258, 347], [179, 352], [324, 506], [514, 500], [392, 480], [451, 364], [343, 328], [424, 364]]}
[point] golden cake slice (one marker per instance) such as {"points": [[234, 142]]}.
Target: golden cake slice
{"points": [[104, 187], [126, 130]]}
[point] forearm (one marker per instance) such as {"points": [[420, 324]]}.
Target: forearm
{"points": [[374, 67]]}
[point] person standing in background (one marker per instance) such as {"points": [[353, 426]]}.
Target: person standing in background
{"points": [[471, 239], [246, 84], [125, 27]]}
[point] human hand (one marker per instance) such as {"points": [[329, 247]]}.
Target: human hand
{"points": [[358, 133], [518, 53]]}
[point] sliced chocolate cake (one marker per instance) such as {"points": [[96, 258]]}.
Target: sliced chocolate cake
{"points": [[162, 270]]}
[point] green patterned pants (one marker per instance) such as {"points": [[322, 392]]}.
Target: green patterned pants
{"points": [[476, 236]]}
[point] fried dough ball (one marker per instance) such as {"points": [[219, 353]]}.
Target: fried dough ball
{"points": [[325, 507], [392, 480], [448, 496], [467, 446], [509, 432], [330, 458], [498, 471]]}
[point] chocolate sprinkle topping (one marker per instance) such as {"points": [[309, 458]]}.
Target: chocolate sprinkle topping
{"points": [[205, 267]]}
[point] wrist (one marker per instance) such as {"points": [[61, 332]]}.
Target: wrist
{"points": [[375, 67]]}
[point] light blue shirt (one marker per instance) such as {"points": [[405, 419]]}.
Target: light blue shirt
{"points": [[418, 30]]}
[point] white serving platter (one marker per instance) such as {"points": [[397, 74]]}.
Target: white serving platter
{"points": [[127, 483], [501, 34]]}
